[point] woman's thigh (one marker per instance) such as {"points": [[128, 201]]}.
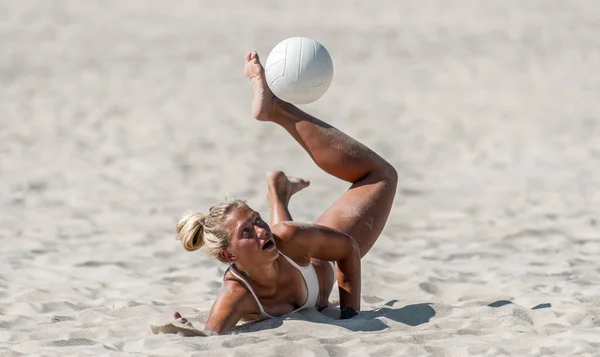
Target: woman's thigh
{"points": [[363, 210]]}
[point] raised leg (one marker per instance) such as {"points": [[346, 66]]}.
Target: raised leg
{"points": [[363, 210], [281, 189]]}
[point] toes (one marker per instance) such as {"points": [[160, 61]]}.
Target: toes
{"points": [[298, 181], [298, 184], [303, 183], [254, 57], [251, 56]]}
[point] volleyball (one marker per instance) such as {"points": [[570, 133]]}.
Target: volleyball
{"points": [[299, 70]]}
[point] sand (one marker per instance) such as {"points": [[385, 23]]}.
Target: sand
{"points": [[117, 117]]}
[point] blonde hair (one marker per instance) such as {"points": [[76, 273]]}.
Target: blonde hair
{"points": [[196, 230]]}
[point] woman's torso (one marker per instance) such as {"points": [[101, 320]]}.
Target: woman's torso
{"points": [[290, 291]]}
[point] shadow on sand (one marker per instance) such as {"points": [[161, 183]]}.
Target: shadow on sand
{"points": [[368, 320], [411, 315], [501, 303]]}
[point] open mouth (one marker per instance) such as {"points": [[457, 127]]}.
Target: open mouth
{"points": [[268, 244]]}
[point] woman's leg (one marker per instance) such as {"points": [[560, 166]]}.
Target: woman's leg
{"points": [[363, 210], [281, 189]]}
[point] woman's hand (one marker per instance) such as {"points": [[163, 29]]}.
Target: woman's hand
{"points": [[182, 320], [347, 313], [181, 326]]}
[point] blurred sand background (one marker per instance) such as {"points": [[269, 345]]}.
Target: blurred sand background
{"points": [[118, 116]]}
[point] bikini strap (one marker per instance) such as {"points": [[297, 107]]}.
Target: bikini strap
{"points": [[239, 276]]}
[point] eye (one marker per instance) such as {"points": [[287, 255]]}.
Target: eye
{"points": [[258, 220], [245, 231]]}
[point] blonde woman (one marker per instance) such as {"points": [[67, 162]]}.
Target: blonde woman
{"points": [[284, 266]]}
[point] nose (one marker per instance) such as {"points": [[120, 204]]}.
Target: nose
{"points": [[260, 232]]}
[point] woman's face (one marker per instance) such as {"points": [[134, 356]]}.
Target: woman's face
{"points": [[251, 238]]}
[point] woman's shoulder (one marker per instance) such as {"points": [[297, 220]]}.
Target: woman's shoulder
{"points": [[284, 231], [289, 242], [233, 303], [235, 291], [233, 282], [287, 231]]}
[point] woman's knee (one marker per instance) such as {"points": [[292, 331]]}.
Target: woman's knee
{"points": [[391, 174], [385, 173]]}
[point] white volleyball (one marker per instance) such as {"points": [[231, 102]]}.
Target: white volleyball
{"points": [[299, 70]]}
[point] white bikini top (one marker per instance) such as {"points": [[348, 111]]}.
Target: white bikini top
{"points": [[310, 279]]}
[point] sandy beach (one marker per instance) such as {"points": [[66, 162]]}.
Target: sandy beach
{"points": [[118, 117]]}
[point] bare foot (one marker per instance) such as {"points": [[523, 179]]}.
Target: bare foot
{"points": [[263, 102], [283, 187]]}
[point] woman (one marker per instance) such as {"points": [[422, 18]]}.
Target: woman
{"points": [[284, 266]]}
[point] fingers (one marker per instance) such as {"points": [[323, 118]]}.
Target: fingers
{"points": [[178, 316]]}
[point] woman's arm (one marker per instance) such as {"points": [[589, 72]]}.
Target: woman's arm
{"points": [[314, 241], [233, 302]]}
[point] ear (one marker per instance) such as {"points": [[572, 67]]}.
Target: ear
{"points": [[227, 255]]}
